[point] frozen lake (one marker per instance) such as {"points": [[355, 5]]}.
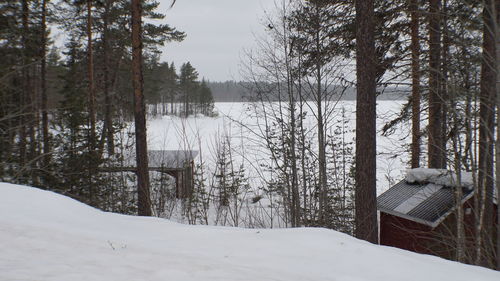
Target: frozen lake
{"points": [[205, 133]]}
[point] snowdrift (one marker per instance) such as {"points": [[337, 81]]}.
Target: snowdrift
{"points": [[46, 236]]}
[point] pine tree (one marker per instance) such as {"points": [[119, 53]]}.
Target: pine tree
{"points": [[205, 99], [171, 88], [366, 63], [187, 85], [72, 174], [144, 200]]}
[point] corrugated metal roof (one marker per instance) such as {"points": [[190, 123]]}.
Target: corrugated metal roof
{"points": [[397, 194], [427, 203]]}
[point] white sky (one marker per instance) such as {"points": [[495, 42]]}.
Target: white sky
{"points": [[217, 32]]}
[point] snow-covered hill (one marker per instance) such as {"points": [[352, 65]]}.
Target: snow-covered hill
{"points": [[46, 236]]}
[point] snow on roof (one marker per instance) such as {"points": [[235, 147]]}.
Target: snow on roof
{"points": [[439, 177], [47, 236]]}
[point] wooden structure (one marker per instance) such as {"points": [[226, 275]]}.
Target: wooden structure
{"points": [[177, 163], [420, 217]]}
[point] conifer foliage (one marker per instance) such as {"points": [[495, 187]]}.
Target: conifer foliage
{"points": [[63, 131]]}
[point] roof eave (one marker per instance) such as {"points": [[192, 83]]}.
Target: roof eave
{"points": [[410, 218]]}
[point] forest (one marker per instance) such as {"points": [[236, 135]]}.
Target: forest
{"points": [[75, 109]]}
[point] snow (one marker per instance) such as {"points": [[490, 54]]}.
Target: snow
{"points": [[46, 236], [204, 133], [439, 177]]}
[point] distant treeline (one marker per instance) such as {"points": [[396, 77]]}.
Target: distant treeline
{"points": [[233, 91]]}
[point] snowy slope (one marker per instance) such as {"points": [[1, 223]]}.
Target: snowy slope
{"points": [[45, 236]]}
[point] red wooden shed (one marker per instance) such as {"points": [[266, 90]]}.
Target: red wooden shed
{"points": [[420, 217]]}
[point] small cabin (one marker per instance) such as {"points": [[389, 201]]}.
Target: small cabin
{"points": [[177, 163], [418, 214]]}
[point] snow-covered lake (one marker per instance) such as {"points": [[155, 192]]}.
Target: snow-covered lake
{"points": [[204, 133]]}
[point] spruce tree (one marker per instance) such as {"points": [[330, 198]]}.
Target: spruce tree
{"points": [[187, 85]]}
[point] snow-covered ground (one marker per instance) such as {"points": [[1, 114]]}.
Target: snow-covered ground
{"points": [[203, 133], [46, 236]]}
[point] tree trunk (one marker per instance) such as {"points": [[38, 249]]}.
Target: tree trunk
{"points": [[415, 73], [108, 115], [486, 132], [321, 142], [293, 141], [366, 207], [443, 87], [295, 202], [144, 200], [23, 101], [91, 87], [45, 117], [457, 165], [497, 140], [468, 159], [435, 146]]}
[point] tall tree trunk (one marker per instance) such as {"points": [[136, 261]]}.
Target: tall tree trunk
{"points": [[172, 103], [415, 73], [186, 103], [303, 147], [45, 117], [91, 106], [23, 101], [296, 214], [295, 202], [320, 119], [457, 165], [321, 146], [443, 87], [144, 200], [366, 207], [91, 86], [108, 114], [435, 145], [497, 140], [486, 132], [467, 159]]}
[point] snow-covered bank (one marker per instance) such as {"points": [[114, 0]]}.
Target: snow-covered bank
{"points": [[45, 236]]}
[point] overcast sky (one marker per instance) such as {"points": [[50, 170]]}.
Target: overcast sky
{"points": [[217, 31]]}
